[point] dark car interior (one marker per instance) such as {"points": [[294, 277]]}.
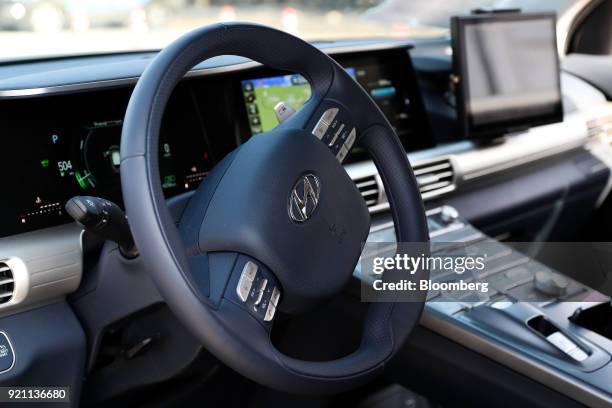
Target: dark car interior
{"points": [[151, 254]]}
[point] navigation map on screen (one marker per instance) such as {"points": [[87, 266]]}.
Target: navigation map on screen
{"points": [[262, 94]]}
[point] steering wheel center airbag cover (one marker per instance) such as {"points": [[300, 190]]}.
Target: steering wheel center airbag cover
{"points": [[249, 213]]}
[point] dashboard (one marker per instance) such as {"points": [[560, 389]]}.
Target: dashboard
{"points": [[61, 123], [69, 144]]}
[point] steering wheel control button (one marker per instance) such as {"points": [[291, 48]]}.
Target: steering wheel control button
{"points": [[283, 111], [270, 311], [342, 154], [261, 289], [335, 129], [329, 115], [257, 288], [249, 272], [7, 356], [275, 296], [243, 288], [350, 140], [336, 134], [320, 129], [324, 123]]}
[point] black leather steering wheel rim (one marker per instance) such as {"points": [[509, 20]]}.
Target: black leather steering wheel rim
{"points": [[174, 255]]}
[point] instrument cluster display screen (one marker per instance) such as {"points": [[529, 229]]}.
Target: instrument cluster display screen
{"points": [[54, 155]]}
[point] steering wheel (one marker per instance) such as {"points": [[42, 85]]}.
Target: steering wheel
{"points": [[278, 224]]}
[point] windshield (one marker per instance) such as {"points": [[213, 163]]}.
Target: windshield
{"points": [[41, 28]]}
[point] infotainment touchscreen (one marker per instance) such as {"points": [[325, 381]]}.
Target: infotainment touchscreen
{"points": [[387, 76], [507, 72], [262, 94]]}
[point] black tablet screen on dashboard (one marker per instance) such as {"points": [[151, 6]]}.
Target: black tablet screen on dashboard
{"points": [[507, 70]]}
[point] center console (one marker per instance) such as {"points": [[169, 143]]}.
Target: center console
{"points": [[547, 326]]}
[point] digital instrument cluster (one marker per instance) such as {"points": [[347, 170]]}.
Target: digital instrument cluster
{"points": [[57, 154]]}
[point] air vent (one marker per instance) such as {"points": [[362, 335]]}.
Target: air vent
{"points": [[434, 177], [7, 283], [368, 187]]}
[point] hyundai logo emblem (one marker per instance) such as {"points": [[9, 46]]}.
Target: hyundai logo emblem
{"points": [[304, 197]]}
